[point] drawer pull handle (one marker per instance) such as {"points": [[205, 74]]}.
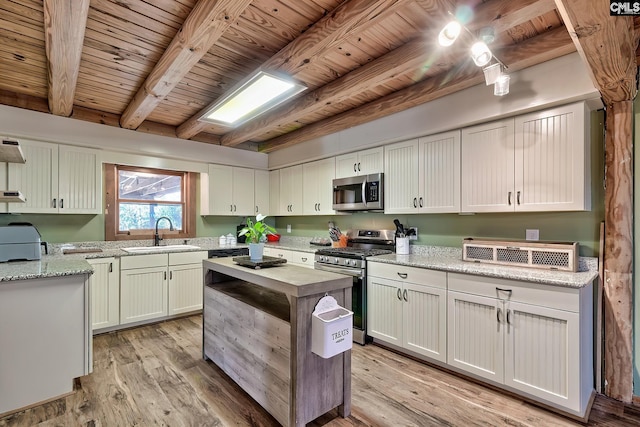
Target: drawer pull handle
{"points": [[399, 294], [304, 259], [509, 291], [403, 275]]}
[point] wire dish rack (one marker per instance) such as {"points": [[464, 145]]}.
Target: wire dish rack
{"points": [[546, 255]]}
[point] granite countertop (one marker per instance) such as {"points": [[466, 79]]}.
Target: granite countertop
{"points": [[422, 256], [45, 268], [450, 260]]}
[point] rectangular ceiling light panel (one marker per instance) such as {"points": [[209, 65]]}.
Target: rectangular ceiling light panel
{"points": [[251, 98]]}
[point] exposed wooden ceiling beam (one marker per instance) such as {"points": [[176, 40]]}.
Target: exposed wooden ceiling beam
{"points": [[64, 25], [203, 27], [503, 14], [314, 43], [544, 47], [606, 44]]}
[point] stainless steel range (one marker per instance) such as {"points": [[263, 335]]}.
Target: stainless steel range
{"points": [[352, 260]]}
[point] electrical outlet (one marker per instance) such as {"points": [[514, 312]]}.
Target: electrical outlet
{"points": [[414, 235], [533, 234], [288, 228]]}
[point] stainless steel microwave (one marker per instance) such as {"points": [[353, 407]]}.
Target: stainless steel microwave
{"points": [[359, 193]]}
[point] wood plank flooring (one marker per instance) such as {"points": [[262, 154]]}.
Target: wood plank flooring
{"points": [[155, 375]]}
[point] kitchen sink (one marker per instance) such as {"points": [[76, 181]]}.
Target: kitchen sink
{"points": [[153, 249]]}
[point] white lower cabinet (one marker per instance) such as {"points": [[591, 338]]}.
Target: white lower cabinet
{"points": [[143, 288], [303, 259], [185, 282], [159, 285], [105, 293], [407, 307], [530, 338]]}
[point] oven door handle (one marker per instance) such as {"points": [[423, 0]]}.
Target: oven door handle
{"points": [[355, 272]]}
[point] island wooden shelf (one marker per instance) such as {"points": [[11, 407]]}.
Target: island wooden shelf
{"points": [[257, 329]]}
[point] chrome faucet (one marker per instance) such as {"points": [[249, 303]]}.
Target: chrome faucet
{"points": [[156, 237]]}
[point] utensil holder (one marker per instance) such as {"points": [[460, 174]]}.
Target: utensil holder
{"points": [[402, 246], [342, 243]]}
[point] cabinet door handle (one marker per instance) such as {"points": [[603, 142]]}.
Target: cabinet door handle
{"points": [[256, 209], [230, 208], [235, 208], [508, 317], [404, 295], [171, 275], [318, 207], [403, 275], [518, 197], [354, 167], [304, 259], [415, 202], [509, 198], [110, 267], [399, 294], [358, 166], [165, 275], [54, 204], [498, 315], [61, 203], [420, 201]]}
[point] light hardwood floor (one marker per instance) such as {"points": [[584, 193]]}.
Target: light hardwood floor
{"points": [[155, 375]]}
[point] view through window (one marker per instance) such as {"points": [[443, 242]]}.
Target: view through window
{"points": [[146, 196]]}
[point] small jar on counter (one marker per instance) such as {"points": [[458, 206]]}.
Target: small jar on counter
{"points": [[231, 240], [222, 241]]}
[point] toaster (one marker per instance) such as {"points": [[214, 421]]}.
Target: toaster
{"points": [[20, 243]]}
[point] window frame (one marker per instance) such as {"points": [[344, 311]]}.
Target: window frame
{"points": [[111, 220]]}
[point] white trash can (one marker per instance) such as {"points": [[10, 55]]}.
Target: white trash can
{"points": [[331, 328]]}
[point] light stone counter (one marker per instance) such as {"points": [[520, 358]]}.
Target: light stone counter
{"points": [[450, 260], [45, 268]]}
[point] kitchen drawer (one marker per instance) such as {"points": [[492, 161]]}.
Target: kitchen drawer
{"points": [[305, 259], [143, 261], [420, 276], [178, 258], [558, 297], [277, 252]]}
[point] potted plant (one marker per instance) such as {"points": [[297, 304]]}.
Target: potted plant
{"points": [[256, 233]]}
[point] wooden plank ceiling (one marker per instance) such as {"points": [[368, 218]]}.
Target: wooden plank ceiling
{"points": [[154, 66]]}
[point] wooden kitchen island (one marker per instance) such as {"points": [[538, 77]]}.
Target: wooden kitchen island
{"points": [[257, 329]]}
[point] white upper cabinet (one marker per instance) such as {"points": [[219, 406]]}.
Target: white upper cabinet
{"points": [[228, 191], [274, 192], [439, 168], [57, 179], [360, 163], [552, 160], [423, 175], [262, 189], [488, 167], [291, 191], [401, 183], [535, 162], [317, 178]]}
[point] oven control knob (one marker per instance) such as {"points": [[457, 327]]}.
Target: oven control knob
{"points": [[353, 262], [336, 260]]}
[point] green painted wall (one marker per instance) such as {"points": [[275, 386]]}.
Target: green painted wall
{"points": [[450, 229]]}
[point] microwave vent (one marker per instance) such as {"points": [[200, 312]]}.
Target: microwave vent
{"points": [[546, 255]]}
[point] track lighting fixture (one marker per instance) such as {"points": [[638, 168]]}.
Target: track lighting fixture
{"points": [[449, 33], [480, 53]]}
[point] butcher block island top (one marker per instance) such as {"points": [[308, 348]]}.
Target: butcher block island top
{"points": [[257, 329]]}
